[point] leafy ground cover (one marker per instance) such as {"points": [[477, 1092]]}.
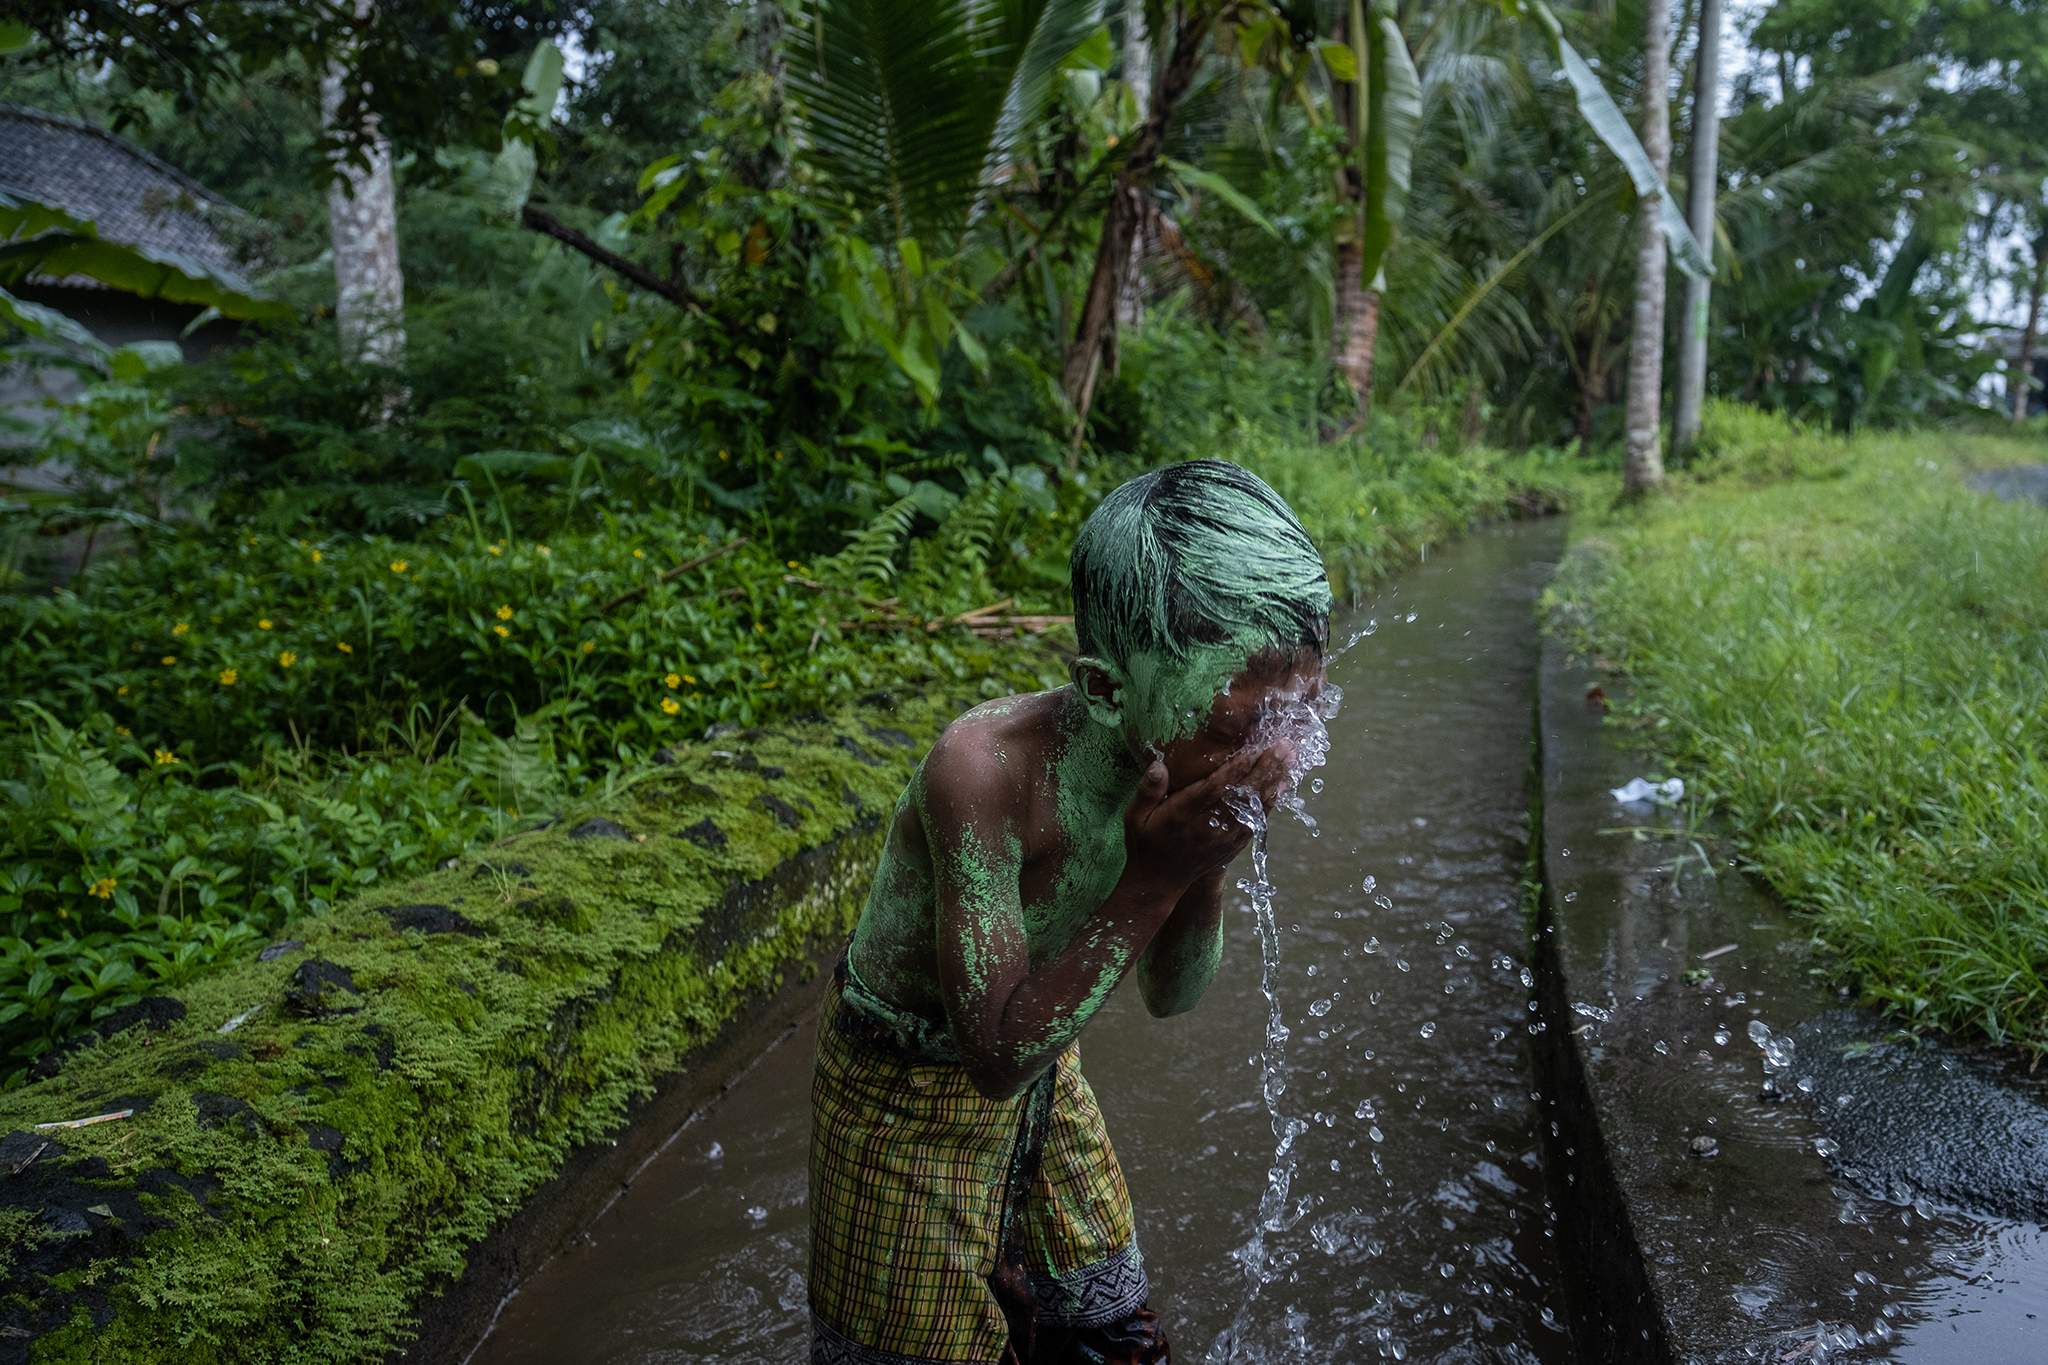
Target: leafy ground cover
{"points": [[1843, 648], [225, 731]]}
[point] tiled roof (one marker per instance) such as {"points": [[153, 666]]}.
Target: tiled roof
{"points": [[128, 195]]}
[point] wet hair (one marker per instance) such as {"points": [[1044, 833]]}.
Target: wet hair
{"points": [[1197, 554]]}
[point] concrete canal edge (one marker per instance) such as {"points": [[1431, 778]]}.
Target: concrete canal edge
{"points": [[1745, 1165], [355, 1142]]}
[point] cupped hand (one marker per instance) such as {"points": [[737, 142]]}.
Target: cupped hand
{"points": [[1178, 836]]}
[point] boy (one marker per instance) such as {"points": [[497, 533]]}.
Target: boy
{"points": [[965, 1203]]}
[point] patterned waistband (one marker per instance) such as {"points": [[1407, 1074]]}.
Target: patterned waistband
{"points": [[868, 1019]]}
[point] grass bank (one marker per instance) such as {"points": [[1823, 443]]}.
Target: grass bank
{"points": [[1844, 649]]}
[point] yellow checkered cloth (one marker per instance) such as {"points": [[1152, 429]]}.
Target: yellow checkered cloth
{"points": [[910, 1166]]}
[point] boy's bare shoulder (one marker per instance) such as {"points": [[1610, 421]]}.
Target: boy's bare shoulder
{"points": [[991, 749]]}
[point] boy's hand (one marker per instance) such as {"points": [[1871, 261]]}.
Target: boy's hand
{"points": [[1175, 838]]}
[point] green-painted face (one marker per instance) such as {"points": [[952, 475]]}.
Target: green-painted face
{"points": [[1196, 716], [1234, 714], [1182, 577]]}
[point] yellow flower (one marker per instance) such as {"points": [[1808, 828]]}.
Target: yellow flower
{"points": [[495, 549], [344, 646], [501, 632], [103, 888], [399, 566], [639, 554], [228, 677], [669, 706], [792, 564], [543, 551], [674, 680], [180, 629], [690, 680], [505, 612], [285, 658], [263, 624], [589, 646], [317, 556], [169, 659], [778, 456], [165, 758], [122, 690], [724, 455]]}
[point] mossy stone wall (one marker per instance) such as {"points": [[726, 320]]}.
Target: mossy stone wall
{"points": [[411, 1067]]}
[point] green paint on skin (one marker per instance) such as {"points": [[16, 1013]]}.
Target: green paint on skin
{"points": [[1181, 577]]}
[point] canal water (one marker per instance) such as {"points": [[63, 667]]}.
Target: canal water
{"points": [[1417, 1225]]}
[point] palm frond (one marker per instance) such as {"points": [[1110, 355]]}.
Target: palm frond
{"points": [[911, 107]]}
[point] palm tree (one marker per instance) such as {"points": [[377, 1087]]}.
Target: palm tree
{"points": [[1643, 468], [362, 210], [1700, 186]]}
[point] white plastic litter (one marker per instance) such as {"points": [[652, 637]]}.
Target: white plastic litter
{"points": [[1666, 793]]}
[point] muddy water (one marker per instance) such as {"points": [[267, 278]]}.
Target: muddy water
{"points": [[1417, 1225]]}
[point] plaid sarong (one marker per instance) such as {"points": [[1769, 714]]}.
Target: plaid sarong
{"points": [[914, 1193]]}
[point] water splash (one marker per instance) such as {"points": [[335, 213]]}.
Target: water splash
{"points": [[1304, 724]]}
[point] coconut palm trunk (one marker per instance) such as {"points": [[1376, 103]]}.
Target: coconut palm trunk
{"points": [[1643, 469], [362, 210], [1095, 334], [1137, 74], [2023, 369], [1356, 328], [1690, 397]]}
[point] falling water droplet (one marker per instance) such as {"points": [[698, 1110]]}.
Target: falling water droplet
{"points": [[1428, 1030]]}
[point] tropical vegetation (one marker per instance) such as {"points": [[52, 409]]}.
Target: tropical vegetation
{"points": [[722, 361]]}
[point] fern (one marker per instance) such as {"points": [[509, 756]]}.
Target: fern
{"points": [[871, 553]]}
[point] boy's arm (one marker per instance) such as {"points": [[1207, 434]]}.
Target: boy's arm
{"points": [[1183, 956], [1008, 1019]]}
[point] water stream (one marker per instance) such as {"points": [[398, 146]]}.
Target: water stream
{"points": [[1336, 1157]]}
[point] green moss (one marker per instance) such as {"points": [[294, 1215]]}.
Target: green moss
{"points": [[468, 1063]]}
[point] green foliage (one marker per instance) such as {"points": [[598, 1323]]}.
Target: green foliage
{"points": [[432, 74], [290, 1191], [130, 870], [1849, 663]]}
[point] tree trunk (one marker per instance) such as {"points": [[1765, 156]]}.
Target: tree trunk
{"points": [[762, 42], [1643, 468], [362, 211], [1137, 70], [1700, 188], [2023, 371], [1095, 334], [1357, 329]]}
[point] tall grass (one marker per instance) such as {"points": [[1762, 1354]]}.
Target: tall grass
{"points": [[1852, 664]]}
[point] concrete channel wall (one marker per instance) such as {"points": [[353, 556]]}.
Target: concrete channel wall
{"points": [[1748, 1167], [355, 1141]]}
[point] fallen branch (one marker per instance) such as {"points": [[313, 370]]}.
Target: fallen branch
{"points": [[887, 605], [968, 617], [632, 594], [548, 225], [983, 622]]}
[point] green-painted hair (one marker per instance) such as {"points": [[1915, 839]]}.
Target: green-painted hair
{"points": [[1194, 556]]}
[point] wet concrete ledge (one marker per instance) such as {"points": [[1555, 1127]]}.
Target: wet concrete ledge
{"points": [[352, 1144], [1748, 1167]]}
